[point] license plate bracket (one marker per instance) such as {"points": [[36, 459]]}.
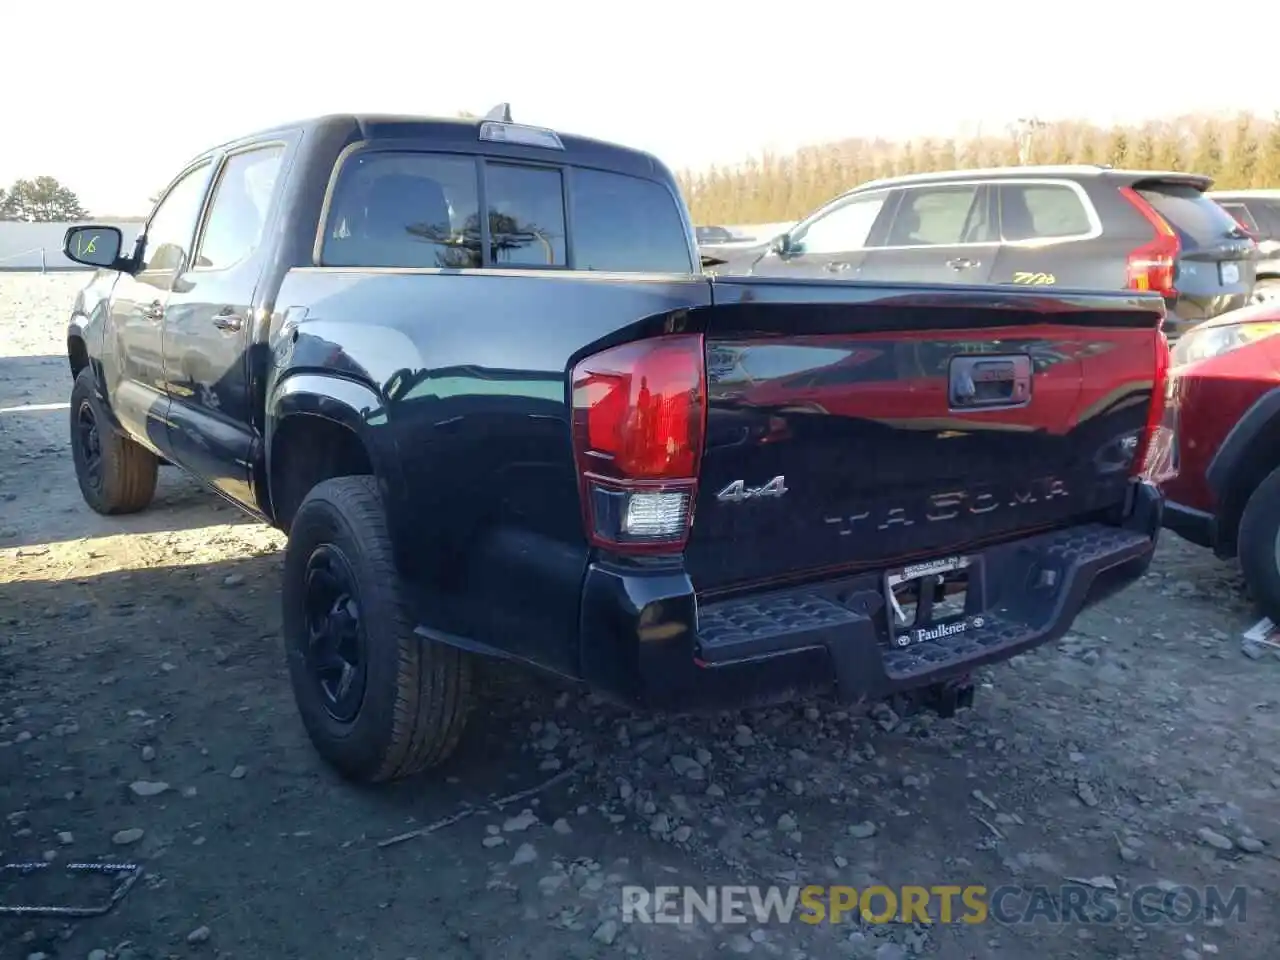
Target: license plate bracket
{"points": [[930, 601]]}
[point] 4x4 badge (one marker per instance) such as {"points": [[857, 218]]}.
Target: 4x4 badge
{"points": [[738, 491]]}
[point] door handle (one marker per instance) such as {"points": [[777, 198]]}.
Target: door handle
{"points": [[228, 321], [962, 263], [155, 311], [838, 267]]}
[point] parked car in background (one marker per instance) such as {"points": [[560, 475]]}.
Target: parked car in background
{"points": [[1258, 211], [709, 236], [1227, 495], [1075, 227]]}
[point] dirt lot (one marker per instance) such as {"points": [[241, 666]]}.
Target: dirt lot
{"points": [[143, 699]]}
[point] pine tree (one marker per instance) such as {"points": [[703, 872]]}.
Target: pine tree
{"points": [[1207, 158], [1117, 152], [1088, 150], [786, 186], [1144, 149], [1269, 163], [1245, 149]]}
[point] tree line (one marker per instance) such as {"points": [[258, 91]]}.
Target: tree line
{"points": [[1239, 153], [42, 200]]}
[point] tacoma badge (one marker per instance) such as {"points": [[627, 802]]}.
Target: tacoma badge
{"points": [[738, 491]]}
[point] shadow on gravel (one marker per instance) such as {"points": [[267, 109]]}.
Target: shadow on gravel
{"points": [[31, 521], [40, 503], [177, 675], [200, 646], [27, 381]]}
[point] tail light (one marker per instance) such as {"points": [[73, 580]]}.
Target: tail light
{"points": [[1157, 454], [1152, 265], [639, 418]]}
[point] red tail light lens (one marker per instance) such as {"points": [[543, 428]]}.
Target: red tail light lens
{"points": [[1157, 454], [639, 415], [1151, 266]]}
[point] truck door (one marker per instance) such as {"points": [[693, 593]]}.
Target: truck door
{"points": [[133, 353], [210, 321]]}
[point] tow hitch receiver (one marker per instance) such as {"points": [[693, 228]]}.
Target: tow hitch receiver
{"points": [[943, 699]]}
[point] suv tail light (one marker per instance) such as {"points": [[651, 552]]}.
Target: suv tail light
{"points": [[1157, 454], [1151, 266], [639, 418]]}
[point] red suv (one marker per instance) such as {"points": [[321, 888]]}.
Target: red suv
{"points": [[1227, 493]]}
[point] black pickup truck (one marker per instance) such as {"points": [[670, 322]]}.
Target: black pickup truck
{"points": [[474, 371]]}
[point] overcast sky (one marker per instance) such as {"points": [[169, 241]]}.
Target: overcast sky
{"points": [[112, 98]]}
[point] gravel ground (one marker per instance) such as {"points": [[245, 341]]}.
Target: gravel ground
{"points": [[145, 714]]}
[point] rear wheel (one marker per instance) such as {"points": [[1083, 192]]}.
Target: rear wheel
{"points": [[116, 475], [378, 701], [1259, 545]]}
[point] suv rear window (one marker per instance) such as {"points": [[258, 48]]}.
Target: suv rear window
{"points": [[1189, 211], [400, 209], [1241, 213]]}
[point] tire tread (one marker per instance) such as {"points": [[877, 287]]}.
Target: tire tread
{"points": [[129, 470], [433, 681]]}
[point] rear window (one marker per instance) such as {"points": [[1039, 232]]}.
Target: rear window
{"points": [[1241, 213], [627, 225], [1042, 211], [1268, 216], [423, 210], [526, 215], [1189, 211]]}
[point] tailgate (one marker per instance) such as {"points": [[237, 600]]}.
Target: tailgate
{"points": [[1217, 259], [857, 425]]}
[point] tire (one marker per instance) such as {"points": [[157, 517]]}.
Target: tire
{"points": [[401, 707], [1266, 291], [116, 474], [1258, 545]]}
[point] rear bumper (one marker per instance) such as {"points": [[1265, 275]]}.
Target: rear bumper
{"points": [[647, 642]]}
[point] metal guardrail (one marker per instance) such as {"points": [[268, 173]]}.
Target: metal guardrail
{"points": [[44, 266], [60, 265]]}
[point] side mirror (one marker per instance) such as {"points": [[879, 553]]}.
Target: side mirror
{"points": [[94, 246], [781, 244]]}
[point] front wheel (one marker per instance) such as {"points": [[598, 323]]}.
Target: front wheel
{"points": [[1259, 545], [116, 475], [377, 701]]}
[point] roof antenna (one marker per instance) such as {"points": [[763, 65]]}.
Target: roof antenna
{"points": [[501, 113]]}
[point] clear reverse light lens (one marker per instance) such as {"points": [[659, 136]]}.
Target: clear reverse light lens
{"points": [[656, 514]]}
